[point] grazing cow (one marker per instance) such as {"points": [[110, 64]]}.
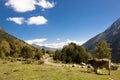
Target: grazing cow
{"points": [[100, 63]]}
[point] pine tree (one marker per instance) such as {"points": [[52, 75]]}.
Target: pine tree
{"points": [[103, 50], [57, 55]]}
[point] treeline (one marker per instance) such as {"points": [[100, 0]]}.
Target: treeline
{"points": [[16, 48], [72, 53]]}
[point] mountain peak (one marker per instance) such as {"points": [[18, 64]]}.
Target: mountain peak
{"points": [[116, 24], [114, 29]]}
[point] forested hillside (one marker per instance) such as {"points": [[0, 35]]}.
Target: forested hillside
{"points": [[11, 46]]}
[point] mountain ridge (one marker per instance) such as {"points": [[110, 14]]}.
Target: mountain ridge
{"points": [[44, 47]]}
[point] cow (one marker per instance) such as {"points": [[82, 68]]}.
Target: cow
{"points": [[100, 63]]}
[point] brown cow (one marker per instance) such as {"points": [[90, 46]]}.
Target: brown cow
{"points": [[100, 63]]}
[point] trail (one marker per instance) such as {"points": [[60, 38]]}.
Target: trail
{"points": [[49, 63], [60, 64]]}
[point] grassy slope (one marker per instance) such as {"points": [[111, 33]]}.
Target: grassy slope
{"points": [[18, 71]]}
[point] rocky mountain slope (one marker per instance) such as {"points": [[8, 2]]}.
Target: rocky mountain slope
{"points": [[111, 35]]}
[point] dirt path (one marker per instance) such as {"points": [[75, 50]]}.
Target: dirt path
{"points": [[49, 63], [60, 64]]}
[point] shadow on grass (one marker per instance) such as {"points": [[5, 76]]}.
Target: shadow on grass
{"points": [[7, 73]]}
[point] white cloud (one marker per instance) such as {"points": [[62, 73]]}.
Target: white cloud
{"points": [[18, 20], [28, 5], [53, 45], [41, 42], [21, 5], [74, 41], [45, 4], [38, 20], [60, 44], [36, 41]]}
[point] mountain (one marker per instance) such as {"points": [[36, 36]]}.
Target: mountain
{"points": [[48, 48], [11, 39], [36, 46], [14, 47], [111, 35], [44, 47]]}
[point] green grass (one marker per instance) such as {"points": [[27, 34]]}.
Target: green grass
{"points": [[19, 71]]}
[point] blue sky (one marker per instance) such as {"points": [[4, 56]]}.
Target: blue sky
{"points": [[54, 23]]}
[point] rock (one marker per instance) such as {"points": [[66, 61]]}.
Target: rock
{"points": [[83, 64], [74, 65]]}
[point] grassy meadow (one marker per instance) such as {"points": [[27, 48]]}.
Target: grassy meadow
{"points": [[19, 71]]}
